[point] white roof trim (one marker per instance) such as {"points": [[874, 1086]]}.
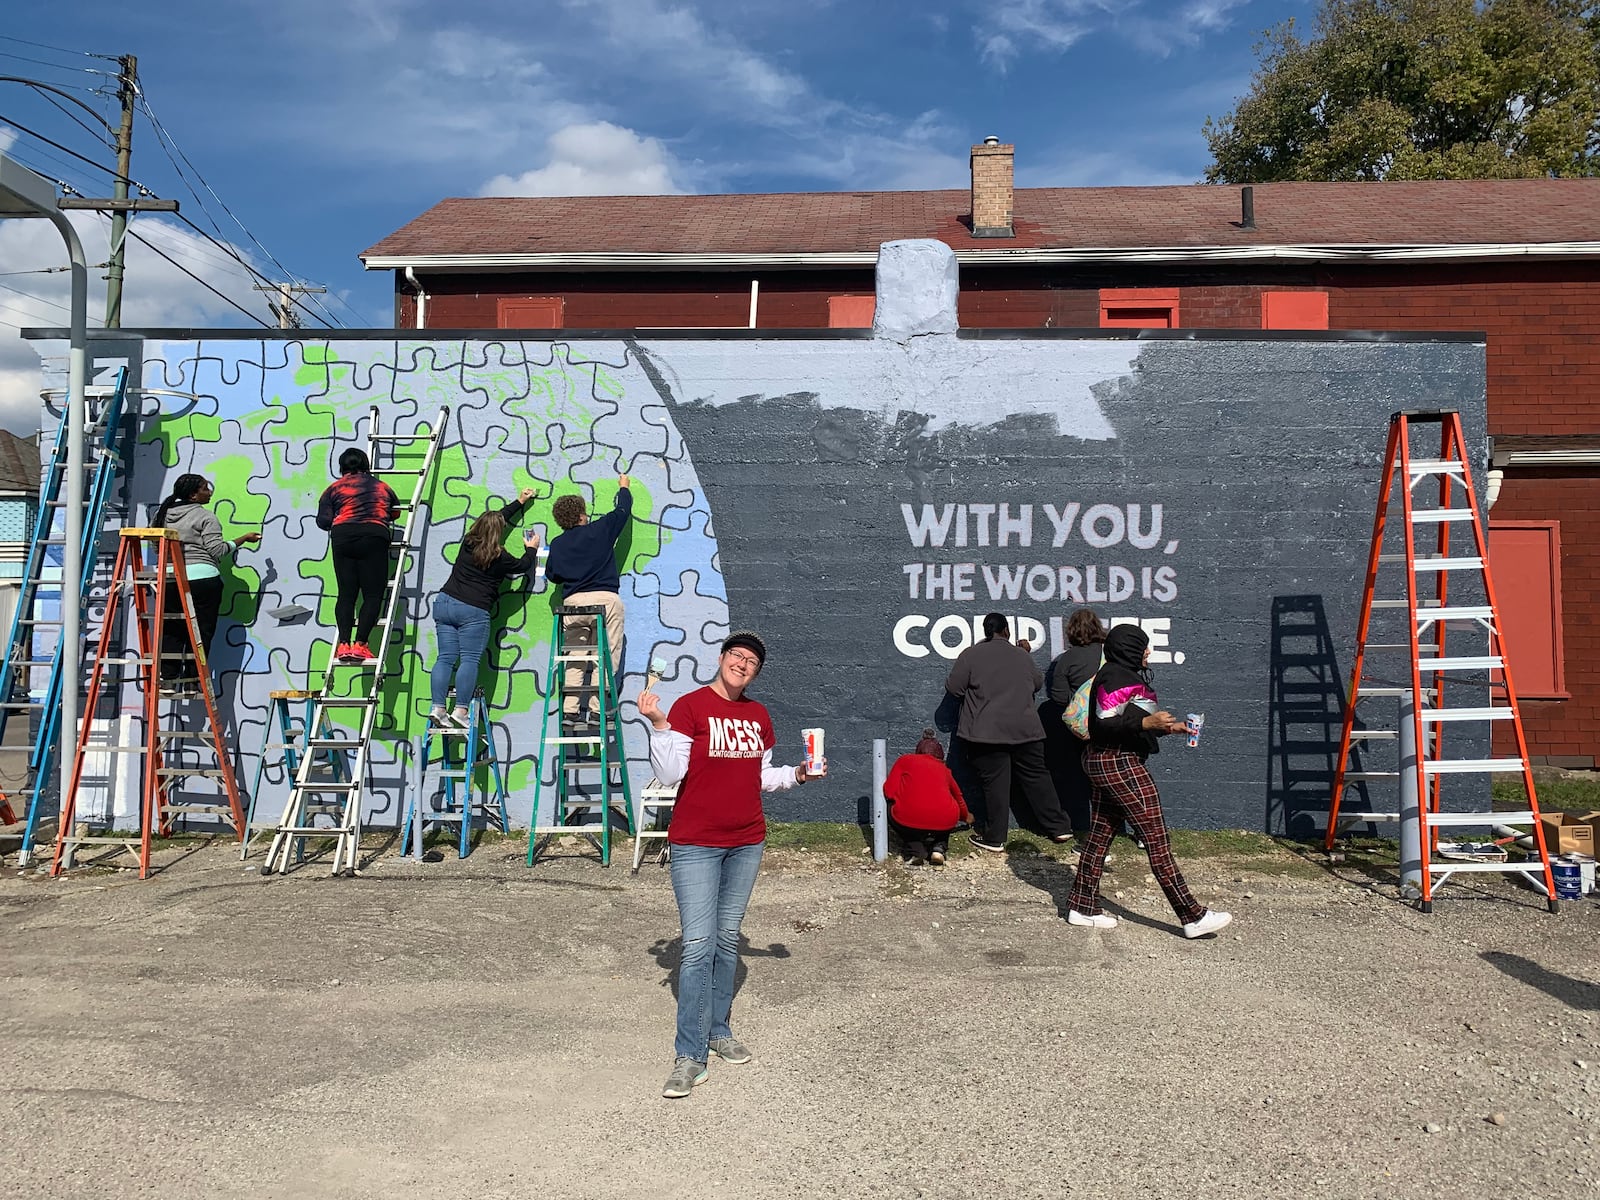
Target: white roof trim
{"points": [[648, 260], [1584, 457]]}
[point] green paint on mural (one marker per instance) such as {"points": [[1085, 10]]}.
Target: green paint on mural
{"points": [[559, 403], [172, 432], [240, 511]]}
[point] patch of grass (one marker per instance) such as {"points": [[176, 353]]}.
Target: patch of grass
{"points": [[1566, 795], [1225, 843], [821, 836]]}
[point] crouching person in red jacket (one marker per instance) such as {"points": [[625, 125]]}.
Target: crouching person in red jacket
{"points": [[925, 802]]}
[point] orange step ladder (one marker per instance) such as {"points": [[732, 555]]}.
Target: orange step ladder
{"points": [[1432, 680], [141, 584]]}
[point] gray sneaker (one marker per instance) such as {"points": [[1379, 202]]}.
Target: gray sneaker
{"points": [[685, 1074], [730, 1050]]}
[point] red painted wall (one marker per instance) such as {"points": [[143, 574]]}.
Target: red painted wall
{"points": [[1562, 731]]}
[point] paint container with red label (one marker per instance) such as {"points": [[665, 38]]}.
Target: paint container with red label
{"points": [[1196, 723]]}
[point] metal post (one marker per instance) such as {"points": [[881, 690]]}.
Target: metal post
{"points": [[71, 648], [1412, 863], [880, 807]]}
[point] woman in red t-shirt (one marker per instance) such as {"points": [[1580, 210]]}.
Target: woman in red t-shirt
{"points": [[719, 742]]}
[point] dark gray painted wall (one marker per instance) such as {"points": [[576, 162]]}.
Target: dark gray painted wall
{"points": [[1264, 457]]}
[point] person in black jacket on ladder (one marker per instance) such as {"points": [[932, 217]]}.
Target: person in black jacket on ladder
{"points": [[462, 609]]}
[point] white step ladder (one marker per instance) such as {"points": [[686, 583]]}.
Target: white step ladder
{"points": [[1431, 677], [316, 792]]}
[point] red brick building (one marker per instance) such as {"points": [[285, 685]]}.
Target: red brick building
{"points": [[1518, 260]]}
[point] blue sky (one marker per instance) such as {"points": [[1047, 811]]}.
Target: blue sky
{"points": [[325, 124]]}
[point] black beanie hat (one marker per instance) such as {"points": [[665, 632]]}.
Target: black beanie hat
{"points": [[748, 641]]}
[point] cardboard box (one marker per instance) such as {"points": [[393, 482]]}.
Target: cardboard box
{"points": [[1569, 833]]}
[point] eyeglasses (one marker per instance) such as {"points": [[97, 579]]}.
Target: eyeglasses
{"points": [[748, 660]]}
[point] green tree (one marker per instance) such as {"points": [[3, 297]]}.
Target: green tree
{"points": [[1420, 89]]}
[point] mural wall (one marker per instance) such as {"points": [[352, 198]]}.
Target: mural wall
{"points": [[860, 502]]}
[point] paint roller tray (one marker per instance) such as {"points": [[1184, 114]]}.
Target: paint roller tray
{"points": [[1472, 851]]}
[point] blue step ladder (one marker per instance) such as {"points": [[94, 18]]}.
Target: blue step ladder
{"points": [[475, 744], [291, 730], [34, 640]]}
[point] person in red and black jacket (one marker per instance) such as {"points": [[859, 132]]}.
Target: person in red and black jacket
{"points": [[925, 802], [358, 511]]}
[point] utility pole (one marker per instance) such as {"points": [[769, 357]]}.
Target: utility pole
{"points": [[127, 89], [283, 308]]}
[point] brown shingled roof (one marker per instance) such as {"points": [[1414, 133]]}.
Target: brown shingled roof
{"points": [[1449, 212], [20, 466]]}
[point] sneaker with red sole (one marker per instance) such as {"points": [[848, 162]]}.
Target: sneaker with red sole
{"points": [[357, 652], [346, 653]]}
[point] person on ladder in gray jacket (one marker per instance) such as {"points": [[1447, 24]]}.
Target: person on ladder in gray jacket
{"points": [[204, 548]]}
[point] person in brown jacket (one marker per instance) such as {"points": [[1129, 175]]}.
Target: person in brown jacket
{"points": [[1004, 737]]}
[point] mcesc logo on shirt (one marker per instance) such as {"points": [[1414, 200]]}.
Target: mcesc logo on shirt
{"points": [[731, 737]]}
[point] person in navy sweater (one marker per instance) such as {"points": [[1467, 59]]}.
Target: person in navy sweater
{"points": [[925, 802], [583, 560]]}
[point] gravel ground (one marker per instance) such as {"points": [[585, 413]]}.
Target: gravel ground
{"points": [[484, 1030]]}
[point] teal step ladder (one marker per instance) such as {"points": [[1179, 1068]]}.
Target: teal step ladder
{"points": [[290, 727], [586, 760], [463, 753]]}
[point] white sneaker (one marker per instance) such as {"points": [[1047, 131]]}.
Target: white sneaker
{"points": [[1210, 921], [1097, 921]]}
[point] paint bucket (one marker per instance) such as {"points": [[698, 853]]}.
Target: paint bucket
{"points": [[1568, 879]]}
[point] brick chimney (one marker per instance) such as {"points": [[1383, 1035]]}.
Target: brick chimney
{"points": [[992, 188]]}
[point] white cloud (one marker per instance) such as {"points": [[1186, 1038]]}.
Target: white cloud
{"points": [[156, 294], [595, 159], [1010, 26], [674, 38]]}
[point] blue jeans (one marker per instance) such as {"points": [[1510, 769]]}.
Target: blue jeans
{"points": [[713, 885], [463, 637]]}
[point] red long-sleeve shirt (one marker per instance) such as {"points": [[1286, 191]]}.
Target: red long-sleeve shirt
{"points": [[922, 794]]}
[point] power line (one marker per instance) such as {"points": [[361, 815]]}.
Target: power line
{"points": [[56, 66], [36, 299], [170, 147], [6, 37], [18, 125], [97, 134], [220, 295]]}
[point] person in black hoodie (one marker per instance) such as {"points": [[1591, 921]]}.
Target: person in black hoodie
{"points": [[461, 611], [1125, 722]]}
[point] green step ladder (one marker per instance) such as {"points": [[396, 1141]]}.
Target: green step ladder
{"points": [[586, 760]]}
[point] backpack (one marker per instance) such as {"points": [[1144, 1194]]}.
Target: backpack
{"points": [[1076, 715]]}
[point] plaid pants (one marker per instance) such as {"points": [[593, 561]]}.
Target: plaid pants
{"points": [[1123, 789]]}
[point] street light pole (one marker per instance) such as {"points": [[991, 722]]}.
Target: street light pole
{"points": [[24, 193]]}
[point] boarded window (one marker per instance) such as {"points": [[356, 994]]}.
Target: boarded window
{"points": [[1525, 557], [1138, 308], [531, 312], [1294, 310], [851, 312]]}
